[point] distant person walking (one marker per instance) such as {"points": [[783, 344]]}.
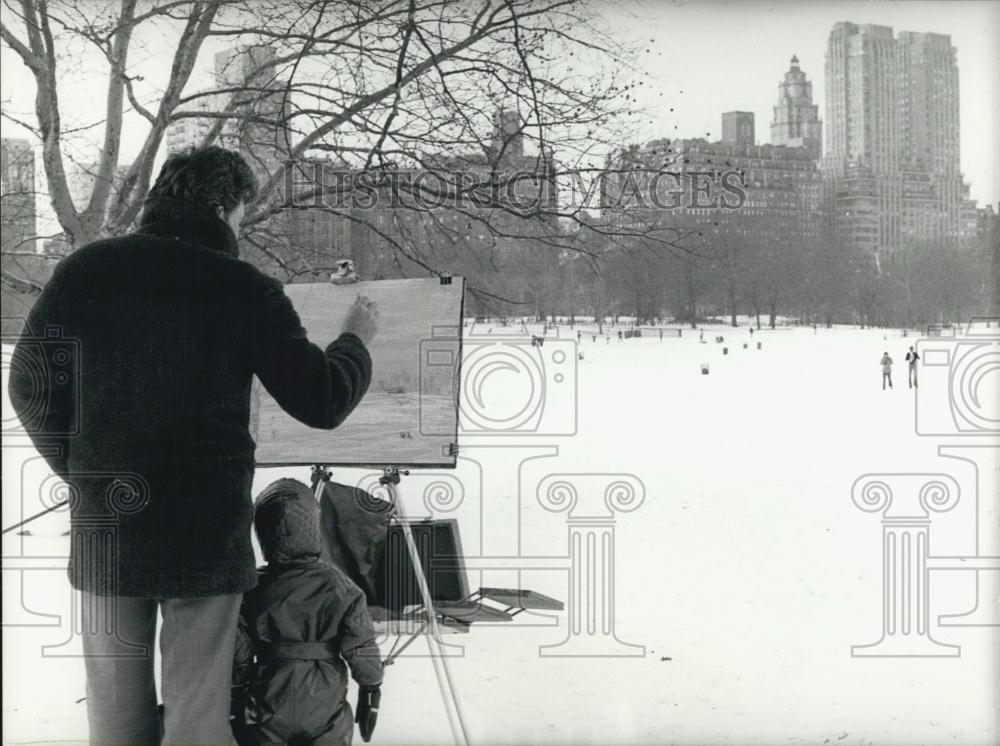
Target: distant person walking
{"points": [[886, 370], [911, 358]]}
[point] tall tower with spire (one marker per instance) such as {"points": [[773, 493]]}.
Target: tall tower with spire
{"points": [[796, 120], [508, 135]]}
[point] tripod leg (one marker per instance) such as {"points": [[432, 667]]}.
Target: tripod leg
{"points": [[441, 668]]}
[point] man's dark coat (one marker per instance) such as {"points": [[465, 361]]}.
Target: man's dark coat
{"points": [[133, 376]]}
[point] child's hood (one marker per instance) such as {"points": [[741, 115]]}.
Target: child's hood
{"points": [[286, 520]]}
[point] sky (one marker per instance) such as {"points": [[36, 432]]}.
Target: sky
{"points": [[714, 56], [699, 59]]}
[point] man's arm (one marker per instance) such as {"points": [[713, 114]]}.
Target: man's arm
{"points": [[44, 370], [315, 386]]}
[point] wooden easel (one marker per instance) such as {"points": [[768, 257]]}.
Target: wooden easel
{"points": [[453, 708]]}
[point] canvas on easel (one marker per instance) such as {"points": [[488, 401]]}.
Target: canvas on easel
{"points": [[409, 416]]}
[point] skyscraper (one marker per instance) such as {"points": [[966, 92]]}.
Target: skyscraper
{"points": [[892, 141], [508, 136], [246, 83], [738, 128], [24, 270], [929, 135], [81, 178], [235, 66], [796, 120], [190, 132], [17, 199], [248, 74]]}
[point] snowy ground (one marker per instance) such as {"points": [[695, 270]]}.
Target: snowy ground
{"points": [[747, 573]]}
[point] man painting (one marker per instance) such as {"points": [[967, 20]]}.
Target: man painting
{"points": [[152, 433]]}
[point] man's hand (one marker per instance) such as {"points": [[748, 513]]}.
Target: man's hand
{"points": [[367, 713], [361, 318]]}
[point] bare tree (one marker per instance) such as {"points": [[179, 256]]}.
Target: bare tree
{"points": [[402, 86]]}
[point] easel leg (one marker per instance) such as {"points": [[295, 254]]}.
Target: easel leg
{"points": [[441, 668]]}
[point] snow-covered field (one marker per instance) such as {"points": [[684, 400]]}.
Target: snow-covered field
{"points": [[747, 573]]}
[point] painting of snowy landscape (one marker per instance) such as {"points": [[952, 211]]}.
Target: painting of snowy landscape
{"points": [[409, 415]]}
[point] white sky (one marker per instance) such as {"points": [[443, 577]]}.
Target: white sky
{"points": [[703, 58], [728, 56]]}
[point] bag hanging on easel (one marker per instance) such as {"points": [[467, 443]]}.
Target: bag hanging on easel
{"points": [[354, 525]]}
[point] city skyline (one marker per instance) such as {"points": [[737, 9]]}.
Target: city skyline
{"points": [[731, 57], [685, 98]]}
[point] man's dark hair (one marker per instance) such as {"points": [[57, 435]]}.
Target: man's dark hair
{"points": [[210, 176]]}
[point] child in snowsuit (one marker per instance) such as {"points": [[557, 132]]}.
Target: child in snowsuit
{"points": [[300, 630], [886, 370]]}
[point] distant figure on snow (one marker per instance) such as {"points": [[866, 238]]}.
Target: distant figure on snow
{"points": [[912, 357], [886, 370]]}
